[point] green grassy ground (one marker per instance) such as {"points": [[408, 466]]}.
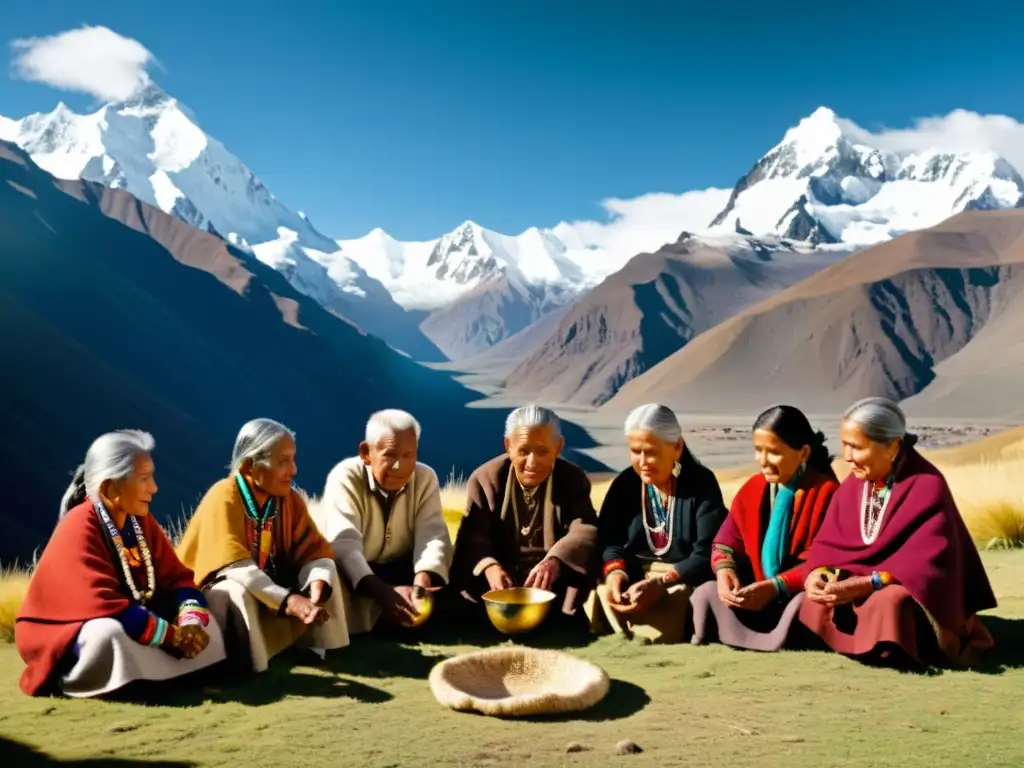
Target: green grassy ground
{"points": [[372, 706]]}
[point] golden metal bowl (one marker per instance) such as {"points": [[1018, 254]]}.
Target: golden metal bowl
{"points": [[423, 602], [517, 610]]}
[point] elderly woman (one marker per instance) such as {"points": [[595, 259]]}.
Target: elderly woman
{"points": [[268, 573], [109, 602], [758, 555], [529, 518], [656, 526], [895, 576]]}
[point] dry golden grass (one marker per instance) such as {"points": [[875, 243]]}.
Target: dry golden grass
{"points": [[13, 583]]}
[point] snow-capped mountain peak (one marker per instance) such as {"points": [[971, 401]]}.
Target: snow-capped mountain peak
{"points": [[814, 137], [153, 147], [433, 273], [821, 185]]}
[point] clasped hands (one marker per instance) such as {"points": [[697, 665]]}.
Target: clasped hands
{"points": [[542, 576], [636, 598], [752, 597], [823, 587], [308, 610], [187, 641]]}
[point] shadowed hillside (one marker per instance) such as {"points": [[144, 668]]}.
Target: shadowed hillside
{"points": [[936, 313], [114, 314]]}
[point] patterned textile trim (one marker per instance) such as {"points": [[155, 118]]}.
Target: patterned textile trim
{"points": [[781, 588], [613, 565], [148, 631], [191, 612], [722, 558], [160, 634]]}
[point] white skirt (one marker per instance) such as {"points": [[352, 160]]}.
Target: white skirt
{"points": [[249, 623], [108, 659]]}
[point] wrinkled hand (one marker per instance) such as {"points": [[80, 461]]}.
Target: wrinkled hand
{"points": [[729, 587], [422, 579], [642, 596], [302, 608], [497, 578], [544, 574], [757, 595], [814, 586], [316, 592], [616, 583], [396, 604], [849, 590], [192, 640]]}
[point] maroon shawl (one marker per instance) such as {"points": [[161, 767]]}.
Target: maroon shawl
{"points": [[923, 543]]}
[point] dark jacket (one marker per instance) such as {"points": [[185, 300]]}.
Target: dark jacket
{"points": [[696, 521]]}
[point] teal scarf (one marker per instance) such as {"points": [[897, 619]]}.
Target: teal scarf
{"points": [[773, 549]]}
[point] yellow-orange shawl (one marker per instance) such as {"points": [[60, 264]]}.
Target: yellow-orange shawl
{"points": [[215, 536]]}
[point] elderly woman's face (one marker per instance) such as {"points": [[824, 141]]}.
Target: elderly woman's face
{"points": [[133, 494], [778, 462], [275, 475], [392, 459], [652, 458], [533, 452], [868, 460]]}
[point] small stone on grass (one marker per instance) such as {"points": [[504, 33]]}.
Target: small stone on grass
{"points": [[627, 747], [574, 746]]}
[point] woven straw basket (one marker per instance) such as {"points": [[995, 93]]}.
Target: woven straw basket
{"points": [[517, 681]]}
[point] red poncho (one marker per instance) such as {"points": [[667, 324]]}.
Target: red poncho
{"points": [[75, 581]]}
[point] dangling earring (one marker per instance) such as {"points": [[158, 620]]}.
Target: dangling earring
{"points": [[676, 469]]}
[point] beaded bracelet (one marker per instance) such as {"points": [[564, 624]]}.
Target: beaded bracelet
{"points": [[194, 616], [879, 580], [613, 565], [191, 612]]}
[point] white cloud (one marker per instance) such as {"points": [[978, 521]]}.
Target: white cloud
{"points": [[647, 222], [959, 131], [94, 60]]}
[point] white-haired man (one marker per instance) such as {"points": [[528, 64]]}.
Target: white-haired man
{"points": [[381, 512], [529, 518]]}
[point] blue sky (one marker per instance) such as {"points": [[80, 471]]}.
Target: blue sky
{"points": [[414, 116]]}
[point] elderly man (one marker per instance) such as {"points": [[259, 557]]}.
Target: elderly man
{"points": [[381, 512], [529, 518]]}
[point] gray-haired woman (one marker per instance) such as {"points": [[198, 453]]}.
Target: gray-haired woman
{"points": [[265, 568], [109, 602], [894, 574], [656, 527]]}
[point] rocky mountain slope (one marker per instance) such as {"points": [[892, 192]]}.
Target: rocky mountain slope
{"points": [[936, 316], [656, 304]]}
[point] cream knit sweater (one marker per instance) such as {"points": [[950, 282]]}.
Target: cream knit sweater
{"points": [[350, 518]]}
